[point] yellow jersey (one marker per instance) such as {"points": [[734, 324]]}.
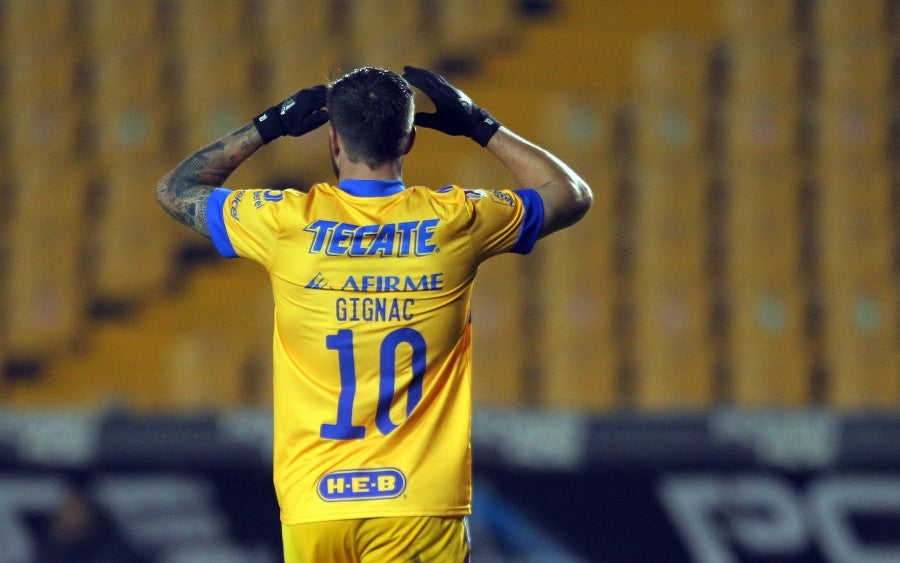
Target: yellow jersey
{"points": [[372, 283]]}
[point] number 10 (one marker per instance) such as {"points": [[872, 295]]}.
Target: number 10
{"points": [[342, 342]]}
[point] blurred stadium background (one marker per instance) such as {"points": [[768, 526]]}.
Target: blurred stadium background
{"points": [[707, 368]]}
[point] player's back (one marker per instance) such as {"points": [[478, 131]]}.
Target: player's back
{"points": [[372, 284], [372, 306]]}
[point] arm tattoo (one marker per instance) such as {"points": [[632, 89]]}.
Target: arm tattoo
{"points": [[184, 191]]}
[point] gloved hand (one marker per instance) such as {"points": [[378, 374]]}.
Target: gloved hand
{"points": [[456, 114], [297, 115]]}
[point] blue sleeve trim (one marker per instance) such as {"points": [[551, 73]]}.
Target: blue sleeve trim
{"points": [[532, 223], [215, 221]]}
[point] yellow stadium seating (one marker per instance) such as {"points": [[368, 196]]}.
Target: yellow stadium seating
{"points": [[673, 355], [670, 296], [753, 20], [861, 352], [856, 229], [859, 285], [28, 23], [762, 103], [129, 128], [501, 351], [108, 24], [463, 29], [400, 23], [858, 71], [44, 286], [770, 355], [616, 312], [132, 240], [849, 20], [579, 350], [41, 103]]}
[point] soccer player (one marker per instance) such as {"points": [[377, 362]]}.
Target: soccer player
{"points": [[372, 281]]}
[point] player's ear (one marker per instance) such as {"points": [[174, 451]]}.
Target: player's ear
{"points": [[333, 142], [410, 141]]}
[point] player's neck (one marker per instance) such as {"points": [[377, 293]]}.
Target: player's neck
{"points": [[360, 171]]}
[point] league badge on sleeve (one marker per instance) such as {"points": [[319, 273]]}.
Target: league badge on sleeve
{"points": [[503, 198]]}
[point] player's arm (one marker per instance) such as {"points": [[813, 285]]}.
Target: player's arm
{"points": [[184, 191], [565, 196]]}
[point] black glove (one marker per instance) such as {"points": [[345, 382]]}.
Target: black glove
{"points": [[297, 115], [456, 114]]}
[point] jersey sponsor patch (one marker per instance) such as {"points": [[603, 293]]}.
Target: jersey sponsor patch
{"points": [[474, 194], [361, 484], [406, 238]]}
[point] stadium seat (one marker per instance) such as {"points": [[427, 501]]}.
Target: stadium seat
{"points": [[762, 108], [127, 115], [770, 354], [861, 353], [860, 69], [105, 30], [670, 111], [44, 189], [763, 227], [391, 34], [672, 348], [767, 304], [465, 29], [44, 295], [856, 228], [41, 102], [503, 359], [133, 241], [751, 20], [202, 21], [211, 103], [854, 106], [847, 21], [580, 352], [128, 120], [670, 293], [858, 285], [27, 23]]}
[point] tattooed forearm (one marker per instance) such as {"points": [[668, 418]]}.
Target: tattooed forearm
{"points": [[183, 192]]}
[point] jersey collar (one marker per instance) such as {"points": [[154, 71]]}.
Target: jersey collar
{"points": [[371, 188]]}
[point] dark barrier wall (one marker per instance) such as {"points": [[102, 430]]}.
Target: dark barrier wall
{"points": [[722, 487]]}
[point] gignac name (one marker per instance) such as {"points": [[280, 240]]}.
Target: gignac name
{"points": [[409, 238]]}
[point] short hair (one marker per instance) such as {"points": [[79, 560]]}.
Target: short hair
{"points": [[372, 111]]}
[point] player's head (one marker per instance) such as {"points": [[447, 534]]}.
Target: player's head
{"points": [[371, 110]]}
